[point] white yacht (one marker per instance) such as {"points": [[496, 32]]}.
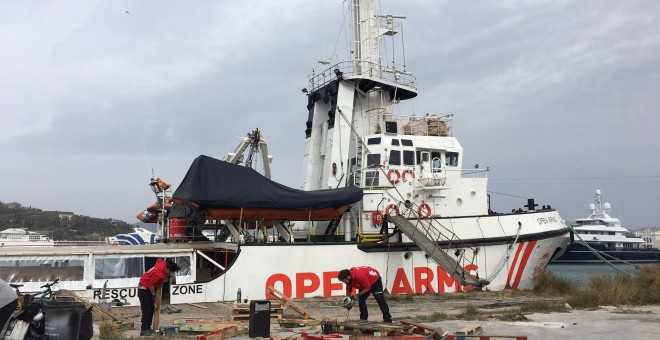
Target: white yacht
{"points": [[605, 234], [13, 237]]}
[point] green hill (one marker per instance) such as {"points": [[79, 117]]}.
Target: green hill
{"points": [[60, 225]]}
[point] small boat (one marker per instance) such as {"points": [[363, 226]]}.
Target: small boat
{"points": [[14, 237], [605, 235]]}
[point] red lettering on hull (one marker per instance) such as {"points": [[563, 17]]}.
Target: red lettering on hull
{"points": [[302, 287], [285, 286], [424, 281]]}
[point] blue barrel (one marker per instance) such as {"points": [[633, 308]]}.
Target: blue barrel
{"points": [[62, 319]]}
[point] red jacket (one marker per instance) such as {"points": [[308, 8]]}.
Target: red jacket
{"points": [[155, 276], [362, 278]]}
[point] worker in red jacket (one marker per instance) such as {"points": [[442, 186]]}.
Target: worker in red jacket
{"points": [[149, 282], [367, 281]]}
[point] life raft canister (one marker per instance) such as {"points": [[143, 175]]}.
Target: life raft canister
{"points": [[377, 217], [403, 175], [396, 178], [392, 207], [424, 210]]}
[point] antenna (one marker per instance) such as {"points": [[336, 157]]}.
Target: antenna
{"points": [[150, 170]]}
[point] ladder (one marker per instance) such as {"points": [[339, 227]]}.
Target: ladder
{"points": [[429, 246], [357, 175]]}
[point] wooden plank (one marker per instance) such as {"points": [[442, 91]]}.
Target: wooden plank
{"points": [[287, 302], [307, 322], [246, 317], [437, 334], [418, 328], [471, 329], [209, 326], [159, 299], [244, 305], [360, 327], [198, 306]]}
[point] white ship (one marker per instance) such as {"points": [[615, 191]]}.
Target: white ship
{"points": [[418, 217], [605, 236], [15, 237]]}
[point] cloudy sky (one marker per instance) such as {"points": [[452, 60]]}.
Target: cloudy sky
{"points": [[558, 98]]}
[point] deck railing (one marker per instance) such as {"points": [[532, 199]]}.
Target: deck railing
{"points": [[365, 69]]}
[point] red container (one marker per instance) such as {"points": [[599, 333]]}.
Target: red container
{"points": [[177, 228]]}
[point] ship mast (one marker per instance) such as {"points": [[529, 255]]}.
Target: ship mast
{"points": [[351, 99]]}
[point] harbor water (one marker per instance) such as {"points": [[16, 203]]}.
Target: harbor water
{"points": [[580, 273]]}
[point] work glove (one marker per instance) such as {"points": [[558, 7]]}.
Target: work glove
{"points": [[354, 298]]}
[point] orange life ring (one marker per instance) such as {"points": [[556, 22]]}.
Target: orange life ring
{"points": [[396, 179], [377, 217], [424, 210], [403, 175], [390, 207]]}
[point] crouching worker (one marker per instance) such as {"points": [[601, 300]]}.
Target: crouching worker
{"points": [[151, 280], [367, 281]]}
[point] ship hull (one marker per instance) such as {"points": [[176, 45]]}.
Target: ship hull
{"points": [[298, 270], [577, 253]]}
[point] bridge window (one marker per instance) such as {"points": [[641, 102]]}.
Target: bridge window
{"points": [[395, 157], [373, 159], [395, 142], [373, 141], [408, 157], [371, 178], [451, 159], [406, 142]]}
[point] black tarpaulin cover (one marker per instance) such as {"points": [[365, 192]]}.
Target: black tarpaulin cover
{"points": [[217, 184]]}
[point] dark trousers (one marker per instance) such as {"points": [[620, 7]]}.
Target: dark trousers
{"points": [[377, 291], [147, 307], [6, 311]]}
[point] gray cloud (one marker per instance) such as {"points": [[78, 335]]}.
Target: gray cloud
{"points": [[559, 98]]}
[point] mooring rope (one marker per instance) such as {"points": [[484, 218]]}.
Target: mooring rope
{"points": [[505, 260], [598, 253]]}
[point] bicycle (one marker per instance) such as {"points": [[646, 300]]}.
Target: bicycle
{"points": [[28, 314], [46, 293]]}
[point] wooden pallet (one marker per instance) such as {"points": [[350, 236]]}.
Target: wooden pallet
{"points": [[471, 329], [204, 326], [288, 303], [362, 327], [241, 311], [246, 317]]}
